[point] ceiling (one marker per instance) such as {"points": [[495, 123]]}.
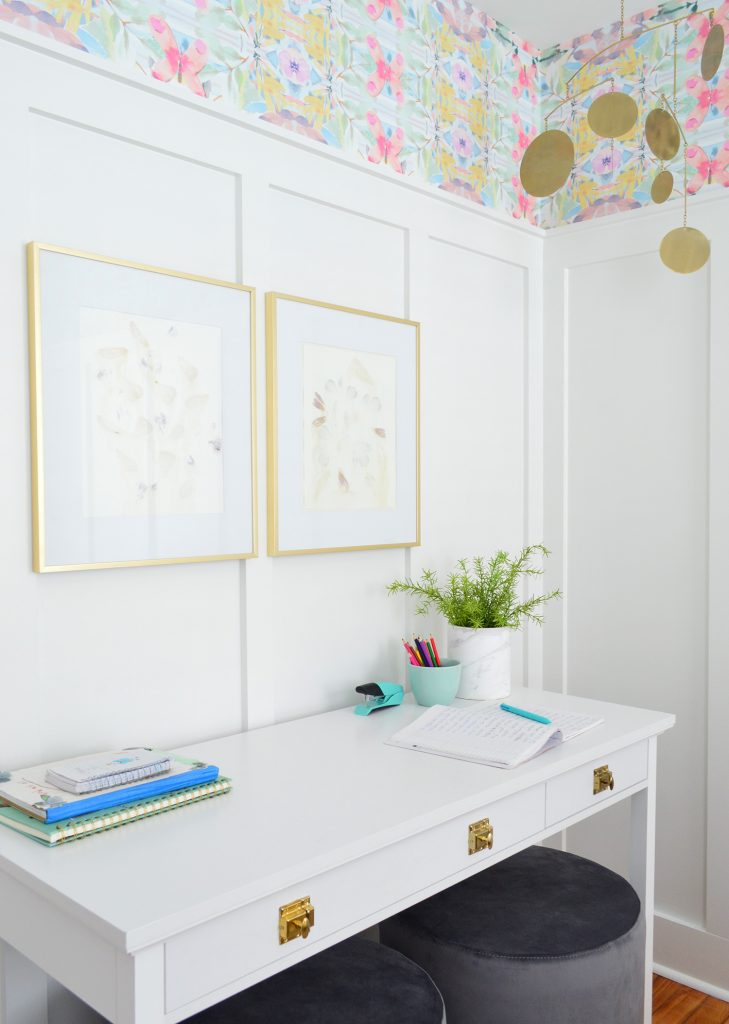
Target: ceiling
{"points": [[544, 24]]}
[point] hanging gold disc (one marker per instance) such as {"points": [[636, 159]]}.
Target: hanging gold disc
{"points": [[685, 250], [613, 114], [662, 134], [662, 186], [712, 53], [547, 163]]}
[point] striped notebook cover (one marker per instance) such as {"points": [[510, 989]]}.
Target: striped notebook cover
{"points": [[91, 824]]}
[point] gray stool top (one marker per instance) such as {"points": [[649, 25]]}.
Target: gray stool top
{"points": [[538, 904], [356, 981]]}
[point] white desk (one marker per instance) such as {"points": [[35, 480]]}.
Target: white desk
{"points": [[157, 920]]}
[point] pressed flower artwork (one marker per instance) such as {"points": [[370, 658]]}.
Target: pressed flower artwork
{"points": [[349, 428], [152, 393], [343, 414], [142, 404]]}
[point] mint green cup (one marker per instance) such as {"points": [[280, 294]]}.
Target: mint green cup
{"points": [[435, 685]]}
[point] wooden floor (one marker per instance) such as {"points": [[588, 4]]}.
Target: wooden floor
{"points": [[677, 1004]]}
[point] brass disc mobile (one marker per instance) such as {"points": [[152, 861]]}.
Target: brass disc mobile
{"points": [[662, 186], [712, 53], [547, 163], [685, 250], [612, 115], [662, 134]]}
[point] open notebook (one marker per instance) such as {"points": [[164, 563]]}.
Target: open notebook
{"points": [[489, 735]]}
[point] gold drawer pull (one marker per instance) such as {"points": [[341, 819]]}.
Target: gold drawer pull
{"points": [[602, 779], [295, 920], [480, 836]]}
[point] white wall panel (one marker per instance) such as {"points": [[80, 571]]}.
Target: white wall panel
{"points": [[473, 367], [634, 421], [637, 514], [334, 602]]}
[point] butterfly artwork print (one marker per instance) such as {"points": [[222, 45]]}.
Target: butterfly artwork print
{"points": [[707, 98], [376, 8], [179, 63], [710, 168], [386, 73], [387, 146]]}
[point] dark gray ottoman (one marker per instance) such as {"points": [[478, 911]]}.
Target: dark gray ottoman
{"points": [[541, 938], [355, 982]]}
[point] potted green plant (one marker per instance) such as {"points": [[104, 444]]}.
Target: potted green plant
{"points": [[483, 604]]}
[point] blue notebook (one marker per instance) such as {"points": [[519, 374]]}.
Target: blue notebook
{"points": [[29, 790]]}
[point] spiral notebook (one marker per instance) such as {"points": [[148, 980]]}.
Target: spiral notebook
{"points": [[489, 735], [92, 824]]}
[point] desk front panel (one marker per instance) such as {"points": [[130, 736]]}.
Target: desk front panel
{"points": [[223, 951]]}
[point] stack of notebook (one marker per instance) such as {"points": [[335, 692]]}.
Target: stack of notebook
{"points": [[55, 803]]}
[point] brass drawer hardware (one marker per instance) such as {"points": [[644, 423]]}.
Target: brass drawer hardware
{"points": [[480, 836], [295, 920], [602, 779]]}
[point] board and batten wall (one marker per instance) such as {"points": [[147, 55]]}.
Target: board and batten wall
{"points": [[97, 161], [636, 371]]}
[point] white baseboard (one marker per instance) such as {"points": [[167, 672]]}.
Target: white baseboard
{"points": [[691, 956]]}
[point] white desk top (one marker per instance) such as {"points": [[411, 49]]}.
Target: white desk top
{"points": [[308, 795]]}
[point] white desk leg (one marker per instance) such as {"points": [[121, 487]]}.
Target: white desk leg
{"points": [[643, 862], [140, 985], [23, 989]]}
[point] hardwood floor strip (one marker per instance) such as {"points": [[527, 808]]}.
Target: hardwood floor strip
{"points": [[679, 1006], [662, 990], [711, 1011]]}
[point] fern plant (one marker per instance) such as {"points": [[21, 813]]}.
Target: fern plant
{"points": [[481, 594]]}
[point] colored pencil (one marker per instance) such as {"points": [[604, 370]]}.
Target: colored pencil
{"points": [[424, 652], [435, 652], [430, 652], [410, 652]]}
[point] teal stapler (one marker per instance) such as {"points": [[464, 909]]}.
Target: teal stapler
{"points": [[378, 696]]}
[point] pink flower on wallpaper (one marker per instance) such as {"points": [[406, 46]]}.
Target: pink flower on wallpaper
{"points": [[525, 78], [201, 5], [387, 147], [462, 142], [461, 76], [524, 204], [386, 72], [183, 65], [524, 135], [376, 7], [294, 66]]}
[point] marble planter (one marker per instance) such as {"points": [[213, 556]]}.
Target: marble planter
{"points": [[485, 657]]}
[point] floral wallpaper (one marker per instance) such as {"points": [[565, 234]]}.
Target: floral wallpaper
{"points": [[610, 176], [430, 88]]}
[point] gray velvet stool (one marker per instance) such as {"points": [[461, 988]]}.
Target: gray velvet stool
{"points": [[541, 938], [354, 982]]}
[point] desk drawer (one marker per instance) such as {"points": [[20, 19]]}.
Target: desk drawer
{"points": [[573, 792], [223, 951]]}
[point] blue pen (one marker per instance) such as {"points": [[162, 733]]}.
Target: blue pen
{"points": [[526, 714]]}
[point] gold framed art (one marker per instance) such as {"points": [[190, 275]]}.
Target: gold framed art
{"points": [[343, 428], [142, 401]]}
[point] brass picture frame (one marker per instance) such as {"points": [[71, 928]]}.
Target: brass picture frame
{"points": [[41, 564], [275, 547]]}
